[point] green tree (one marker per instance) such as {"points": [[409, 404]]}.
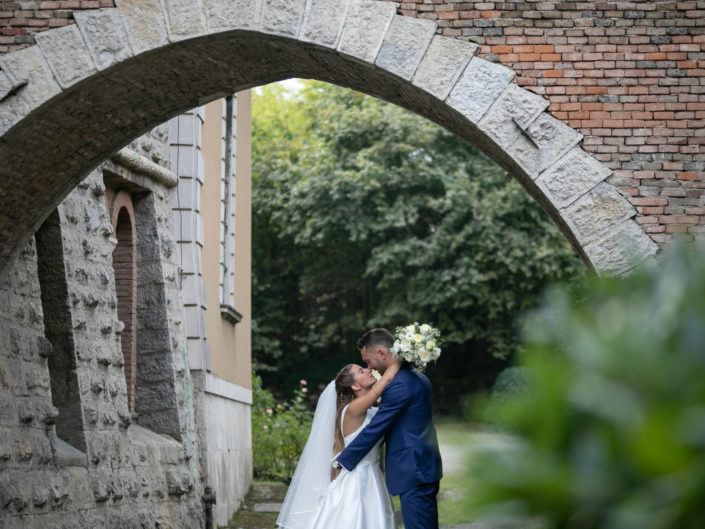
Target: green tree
{"points": [[365, 214]]}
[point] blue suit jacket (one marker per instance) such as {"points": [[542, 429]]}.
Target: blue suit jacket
{"points": [[405, 418]]}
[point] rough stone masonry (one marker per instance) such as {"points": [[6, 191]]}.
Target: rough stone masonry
{"points": [[72, 453]]}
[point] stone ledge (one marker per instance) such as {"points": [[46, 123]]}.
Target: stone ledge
{"points": [[222, 388], [143, 165]]}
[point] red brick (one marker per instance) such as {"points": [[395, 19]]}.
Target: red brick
{"points": [[553, 73], [648, 201], [676, 228], [688, 175], [649, 210], [643, 174], [679, 219]]}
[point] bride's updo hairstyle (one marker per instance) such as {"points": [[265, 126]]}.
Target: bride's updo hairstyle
{"points": [[344, 394]]}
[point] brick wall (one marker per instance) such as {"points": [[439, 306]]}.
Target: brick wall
{"points": [[122, 218], [19, 21], [630, 76]]}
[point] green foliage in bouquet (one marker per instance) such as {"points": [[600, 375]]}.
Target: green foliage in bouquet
{"points": [[612, 428], [279, 432]]}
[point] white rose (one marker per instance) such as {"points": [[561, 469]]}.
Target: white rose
{"points": [[417, 338], [424, 355], [430, 345], [405, 346], [425, 327]]}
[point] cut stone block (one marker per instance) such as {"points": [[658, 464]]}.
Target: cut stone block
{"points": [[226, 14], [512, 112], [365, 27], [621, 249], [28, 65], [105, 36], [543, 142], [145, 22], [441, 66], [6, 84], [66, 54], [571, 177], [405, 44], [323, 21], [596, 212], [478, 87], [185, 19], [282, 17]]}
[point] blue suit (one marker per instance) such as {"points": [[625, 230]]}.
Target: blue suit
{"points": [[413, 462]]}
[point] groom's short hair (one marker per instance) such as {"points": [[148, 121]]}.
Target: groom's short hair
{"points": [[374, 338]]}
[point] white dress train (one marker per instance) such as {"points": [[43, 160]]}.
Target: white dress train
{"points": [[357, 499]]}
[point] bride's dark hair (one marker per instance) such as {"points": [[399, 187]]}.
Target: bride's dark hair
{"points": [[344, 394]]}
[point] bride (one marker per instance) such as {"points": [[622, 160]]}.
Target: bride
{"points": [[356, 499]]}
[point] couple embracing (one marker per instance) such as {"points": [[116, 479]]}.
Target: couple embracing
{"points": [[338, 483]]}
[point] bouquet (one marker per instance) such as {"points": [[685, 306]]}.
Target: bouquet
{"points": [[417, 344]]}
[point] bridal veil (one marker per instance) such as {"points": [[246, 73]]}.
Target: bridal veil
{"points": [[312, 476]]}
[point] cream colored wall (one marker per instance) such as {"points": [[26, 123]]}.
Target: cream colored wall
{"points": [[243, 237], [229, 344]]}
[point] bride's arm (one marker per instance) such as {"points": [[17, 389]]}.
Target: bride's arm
{"points": [[360, 405]]}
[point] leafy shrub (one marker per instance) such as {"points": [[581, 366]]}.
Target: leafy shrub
{"points": [[613, 430], [511, 383], [466, 407], [279, 431]]}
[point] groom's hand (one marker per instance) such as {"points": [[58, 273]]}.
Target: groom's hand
{"points": [[334, 473]]}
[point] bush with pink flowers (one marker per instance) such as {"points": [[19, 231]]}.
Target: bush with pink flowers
{"points": [[279, 431]]}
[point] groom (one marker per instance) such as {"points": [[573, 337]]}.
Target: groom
{"points": [[413, 463]]}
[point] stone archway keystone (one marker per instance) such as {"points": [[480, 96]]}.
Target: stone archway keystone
{"points": [[146, 60]]}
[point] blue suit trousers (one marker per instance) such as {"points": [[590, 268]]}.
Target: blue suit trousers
{"points": [[418, 506]]}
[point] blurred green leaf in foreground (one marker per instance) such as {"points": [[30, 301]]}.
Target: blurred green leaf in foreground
{"points": [[612, 427]]}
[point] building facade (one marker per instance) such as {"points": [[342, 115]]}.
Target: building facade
{"points": [[125, 387]]}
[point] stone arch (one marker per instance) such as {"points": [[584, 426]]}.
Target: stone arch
{"points": [[87, 89]]}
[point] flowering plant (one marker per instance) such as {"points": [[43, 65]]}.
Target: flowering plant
{"points": [[418, 344]]}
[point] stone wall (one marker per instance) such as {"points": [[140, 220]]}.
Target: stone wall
{"points": [[72, 454], [630, 76], [21, 20]]}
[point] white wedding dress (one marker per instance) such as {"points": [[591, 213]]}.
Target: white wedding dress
{"points": [[354, 500], [357, 499]]}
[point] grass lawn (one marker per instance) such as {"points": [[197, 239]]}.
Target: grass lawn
{"points": [[460, 443]]}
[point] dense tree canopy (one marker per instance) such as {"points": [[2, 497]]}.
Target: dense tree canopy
{"points": [[366, 215]]}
